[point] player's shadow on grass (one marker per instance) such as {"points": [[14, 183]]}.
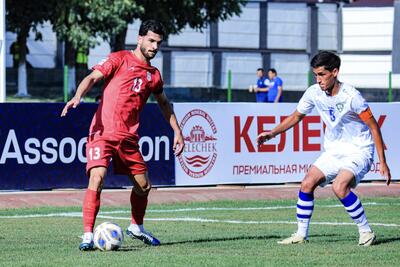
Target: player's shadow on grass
{"points": [[344, 238], [323, 235], [222, 239], [137, 247], [336, 237], [380, 241], [130, 248]]}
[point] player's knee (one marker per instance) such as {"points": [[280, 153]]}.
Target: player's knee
{"points": [[340, 188], [96, 181], [143, 189], [308, 185]]}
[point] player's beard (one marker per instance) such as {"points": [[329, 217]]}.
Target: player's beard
{"points": [[146, 54]]}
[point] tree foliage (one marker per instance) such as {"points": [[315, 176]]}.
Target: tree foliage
{"points": [[175, 15], [23, 16], [82, 22], [197, 14]]}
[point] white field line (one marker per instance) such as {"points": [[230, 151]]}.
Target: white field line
{"points": [[78, 214], [103, 215], [192, 219], [237, 209], [203, 220]]}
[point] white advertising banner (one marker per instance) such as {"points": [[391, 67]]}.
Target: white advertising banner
{"points": [[221, 148]]}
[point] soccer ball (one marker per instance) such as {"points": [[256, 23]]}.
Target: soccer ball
{"points": [[108, 236]]}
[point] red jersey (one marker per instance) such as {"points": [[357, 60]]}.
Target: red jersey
{"points": [[128, 84]]}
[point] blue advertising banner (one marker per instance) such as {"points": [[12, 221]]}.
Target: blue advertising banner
{"points": [[40, 150]]}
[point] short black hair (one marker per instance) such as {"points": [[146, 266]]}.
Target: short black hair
{"points": [[326, 59], [151, 25], [273, 70], [260, 69]]}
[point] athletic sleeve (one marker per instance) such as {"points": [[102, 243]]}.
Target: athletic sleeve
{"points": [[108, 65], [358, 103], [306, 103], [158, 85], [266, 82]]}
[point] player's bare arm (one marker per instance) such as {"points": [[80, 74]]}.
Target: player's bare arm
{"points": [[169, 115], [285, 125], [370, 121], [84, 87], [258, 89]]}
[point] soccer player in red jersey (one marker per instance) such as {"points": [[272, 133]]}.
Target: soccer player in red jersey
{"points": [[129, 81]]}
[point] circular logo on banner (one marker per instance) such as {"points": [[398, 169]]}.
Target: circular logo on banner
{"points": [[200, 152]]}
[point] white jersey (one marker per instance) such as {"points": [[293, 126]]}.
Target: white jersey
{"points": [[345, 132]]}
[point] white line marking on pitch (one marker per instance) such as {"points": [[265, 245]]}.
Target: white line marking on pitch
{"points": [[238, 209], [77, 214], [203, 220], [188, 219]]}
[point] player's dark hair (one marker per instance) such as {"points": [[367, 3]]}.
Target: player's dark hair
{"points": [[328, 60], [151, 25], [273, 71], [260, 69]]}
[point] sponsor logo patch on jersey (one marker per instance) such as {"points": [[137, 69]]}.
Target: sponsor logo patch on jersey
{"points": [[148, 76], [340, 106]]}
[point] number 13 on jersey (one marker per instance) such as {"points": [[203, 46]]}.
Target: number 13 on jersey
{"points": [[94, 153], [137, 84]]}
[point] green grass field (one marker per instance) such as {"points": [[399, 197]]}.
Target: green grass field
{"points": [[221, 233]]}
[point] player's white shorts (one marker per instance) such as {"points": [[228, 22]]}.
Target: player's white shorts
{"points": [[331, 164]]}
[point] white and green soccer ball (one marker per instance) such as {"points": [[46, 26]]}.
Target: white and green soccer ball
{"points": [[108, 236]]}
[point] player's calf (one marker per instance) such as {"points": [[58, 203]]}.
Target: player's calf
{"points": [[96, 180], [354, 208]]}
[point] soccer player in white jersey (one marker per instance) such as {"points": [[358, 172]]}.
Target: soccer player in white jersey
{"points": [[351, 132]]}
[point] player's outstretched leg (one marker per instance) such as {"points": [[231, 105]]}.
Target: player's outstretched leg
{"points": [[305, 207], [341, 186], [91, 206], [139, 200], [355, 209]]}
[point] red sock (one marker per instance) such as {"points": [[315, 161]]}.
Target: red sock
{"points": [[138, 208], [91, 206]]}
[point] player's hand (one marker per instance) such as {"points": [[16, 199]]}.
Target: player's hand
{"points": [[263, 137], [73, 103], [385, 172], [179, 143]]}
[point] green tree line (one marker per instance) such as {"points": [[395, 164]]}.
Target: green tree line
{"points": [[81, 23]]}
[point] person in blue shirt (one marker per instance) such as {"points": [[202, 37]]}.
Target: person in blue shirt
{"points": [[261, 89], [275, 87]]}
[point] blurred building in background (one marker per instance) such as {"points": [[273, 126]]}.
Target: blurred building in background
{"points": [[278, 34]]}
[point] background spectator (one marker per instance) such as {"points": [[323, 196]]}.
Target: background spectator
{"points": [[261, 89]]}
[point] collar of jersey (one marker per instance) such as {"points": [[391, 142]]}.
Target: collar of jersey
{"points": [[138, 61]]}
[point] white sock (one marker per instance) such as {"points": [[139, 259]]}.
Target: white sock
{"points": [[136, 228], [363, 225], [88, 236], [305, 207]]}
